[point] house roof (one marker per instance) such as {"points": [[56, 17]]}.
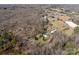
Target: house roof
{"points": [[71, 24]]}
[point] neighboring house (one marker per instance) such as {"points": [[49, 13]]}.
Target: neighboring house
{"points": [[71, 24]]}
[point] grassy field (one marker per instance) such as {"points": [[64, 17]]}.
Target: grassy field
{"points": [[59, 25]]}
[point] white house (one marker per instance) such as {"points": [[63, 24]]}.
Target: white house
{"points": [[71, 24]]}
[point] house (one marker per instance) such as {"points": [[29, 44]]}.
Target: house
{"points": [[71, 24]]}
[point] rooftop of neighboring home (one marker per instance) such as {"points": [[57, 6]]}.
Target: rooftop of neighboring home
{"points": [[71, 24]]}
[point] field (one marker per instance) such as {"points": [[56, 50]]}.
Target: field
{"points": [[36, 30]]}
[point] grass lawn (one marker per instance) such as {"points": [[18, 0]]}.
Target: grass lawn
{"points": [[59, 26], [68, 32]]}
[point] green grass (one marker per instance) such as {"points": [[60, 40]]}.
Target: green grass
{"points": [[1, 38], [13, 41], [70, 45], [71, 51], [76, 30], [71, 48], [9, 36]]}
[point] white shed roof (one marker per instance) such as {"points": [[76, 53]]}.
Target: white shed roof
{"points": [[53, 31], [71, 24]]}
